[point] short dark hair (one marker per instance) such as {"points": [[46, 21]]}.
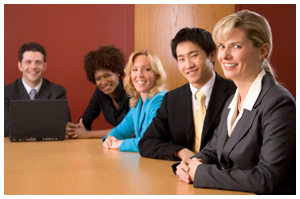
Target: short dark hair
{"points": [[106, 57], [197, 36], [31, 46]]}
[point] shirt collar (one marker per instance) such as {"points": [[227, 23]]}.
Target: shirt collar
{"points": [[252, 94], [28, 88], [206, 89]]}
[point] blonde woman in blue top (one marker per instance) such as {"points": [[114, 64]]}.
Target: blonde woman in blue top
{"points": [[145, 83]]}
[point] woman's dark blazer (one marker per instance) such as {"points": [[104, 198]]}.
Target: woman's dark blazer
{"points": [[259, 156], [102, 102]]}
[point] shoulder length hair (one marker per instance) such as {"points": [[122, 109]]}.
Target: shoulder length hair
{"points": [[160, 74]]}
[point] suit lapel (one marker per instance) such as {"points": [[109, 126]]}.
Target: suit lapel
{"points": [[44, 91], [187, 113], [239, 131], [223, 136], [218, 98], [245, 123], [21, 90]]}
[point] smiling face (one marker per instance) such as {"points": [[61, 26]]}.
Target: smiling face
{"points": [[107, 81], [240, 60], [32, 66], [142, 75], [194, 64]]}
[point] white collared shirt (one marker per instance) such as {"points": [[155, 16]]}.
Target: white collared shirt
{"points": [[206, 89], [28, 88], [251, 98]]}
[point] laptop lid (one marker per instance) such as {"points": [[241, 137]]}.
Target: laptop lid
{"points": [[38, 120]]}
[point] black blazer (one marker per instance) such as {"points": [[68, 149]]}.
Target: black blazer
{"points": [[102, 102], [173, 127], [16, 90], [259, 156]]}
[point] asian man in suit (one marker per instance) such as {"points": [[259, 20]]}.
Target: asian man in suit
{"points": [[171, 135], [32, 63]]}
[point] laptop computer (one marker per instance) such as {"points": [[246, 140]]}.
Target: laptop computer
{"points": [[38, 120]]}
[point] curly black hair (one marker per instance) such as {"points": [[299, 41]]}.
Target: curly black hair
{"points": [[107, 58]]}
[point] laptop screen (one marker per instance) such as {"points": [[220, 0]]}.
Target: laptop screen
{"points": [[38, 120]]}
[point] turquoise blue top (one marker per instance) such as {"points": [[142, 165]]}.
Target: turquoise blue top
{"points": [[136, 122]]}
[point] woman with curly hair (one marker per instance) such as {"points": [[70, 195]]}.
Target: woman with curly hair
{"points": [[145, 83], [104, 68]]}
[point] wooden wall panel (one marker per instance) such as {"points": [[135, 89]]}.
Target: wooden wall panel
{"points": [[156, 25]]}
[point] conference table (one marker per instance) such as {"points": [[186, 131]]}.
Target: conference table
{"points": [[84, 167]]}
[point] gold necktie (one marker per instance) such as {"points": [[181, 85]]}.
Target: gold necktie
{"points": [[199, 119]]}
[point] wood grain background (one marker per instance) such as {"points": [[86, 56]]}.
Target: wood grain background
{"points": [[156, 25]]}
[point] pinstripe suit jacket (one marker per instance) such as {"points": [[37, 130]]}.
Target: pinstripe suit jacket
{"points": [[259, 156]]}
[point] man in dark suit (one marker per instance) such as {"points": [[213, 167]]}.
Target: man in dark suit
{"points": [[171, 134], [32, 63]]}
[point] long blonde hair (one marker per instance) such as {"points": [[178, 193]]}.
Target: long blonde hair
{"points": [[160, 74], [256, 27]]}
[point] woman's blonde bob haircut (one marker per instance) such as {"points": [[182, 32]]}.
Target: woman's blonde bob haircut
{"points": [[256, 27], [160, 74]]}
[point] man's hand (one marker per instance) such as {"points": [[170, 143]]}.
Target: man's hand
{"points": [[184, 153]]}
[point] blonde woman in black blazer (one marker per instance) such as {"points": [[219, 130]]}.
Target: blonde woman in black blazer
{"points": [[254, 147]]}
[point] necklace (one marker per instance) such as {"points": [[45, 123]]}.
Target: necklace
{"points": [[239, 103]]}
